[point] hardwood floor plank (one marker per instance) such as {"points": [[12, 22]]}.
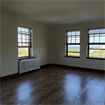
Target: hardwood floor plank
{"points": [[55, 86]]}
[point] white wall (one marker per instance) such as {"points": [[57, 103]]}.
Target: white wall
{"points": [[58, 46], [9, 46], [9, 43], [51, 44]]}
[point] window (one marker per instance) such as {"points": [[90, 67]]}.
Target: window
{"points": [[24, 42], [96, 43], [73, 43]]}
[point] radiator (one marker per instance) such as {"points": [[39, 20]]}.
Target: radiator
{"points": [[29, 65]]}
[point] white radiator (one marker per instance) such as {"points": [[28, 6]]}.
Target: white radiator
{"points": [[28, 65]]}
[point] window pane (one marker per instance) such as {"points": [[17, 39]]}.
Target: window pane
{"points": [[19, 29], [23, 37], [22, 52], [97, 31], [26, 37], [102, 38], [24, 44], [91, 31], [27, 31], [28, 44], [68, 33], [23, 30], [19, 44], [97, 53], [19, 35], [23, 40], [91, 39], [77, 32], [77, 41], [73, 39], [73, 32], [97, 47], [102, 30], [19, 40], [74, 48], [102, 35], [73, 54], [96, 39], [69, 40], [27, 40]]}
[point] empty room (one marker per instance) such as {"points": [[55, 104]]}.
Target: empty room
{"points": [[52, 52]]}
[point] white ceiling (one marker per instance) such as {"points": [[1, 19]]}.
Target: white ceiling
{"points": [[55, 12]]}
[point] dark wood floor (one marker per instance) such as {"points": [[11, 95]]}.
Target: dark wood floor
{"points": [[55, 86]]}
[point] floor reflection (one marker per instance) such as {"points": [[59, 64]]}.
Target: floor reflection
{"points": [[84, 91], [24, 91], [95, 89], [72, 87]]}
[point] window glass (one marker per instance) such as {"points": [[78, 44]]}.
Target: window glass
{"points": [[24, 44], [73, 43], [96, 43], [23, 52]]}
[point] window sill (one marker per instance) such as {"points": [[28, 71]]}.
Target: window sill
{"points": [[95, 58], [72, 56], [19, 59]]}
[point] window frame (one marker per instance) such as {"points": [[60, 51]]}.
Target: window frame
{"points": [[29, 48], [87, 57], [66, 44]]}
